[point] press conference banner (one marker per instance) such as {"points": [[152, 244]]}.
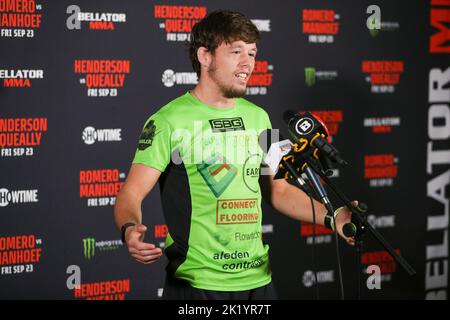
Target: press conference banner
{"points": [[79, 78]]}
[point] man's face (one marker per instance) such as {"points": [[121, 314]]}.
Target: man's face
{"points": [[231, 67]]}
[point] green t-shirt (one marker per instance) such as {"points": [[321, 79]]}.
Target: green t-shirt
{"points": [[210, 160]]}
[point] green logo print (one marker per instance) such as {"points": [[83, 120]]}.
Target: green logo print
{"points": [[147, 135], [213, 174], [373, 30], [310, 76], [89, 247]]}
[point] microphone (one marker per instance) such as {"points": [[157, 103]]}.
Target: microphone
{"points": [[281, 159], [309, 131], [276, 149]]}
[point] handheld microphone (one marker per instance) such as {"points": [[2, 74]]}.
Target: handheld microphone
{"points": [[309, 131], [281, 160], [276, 149]]}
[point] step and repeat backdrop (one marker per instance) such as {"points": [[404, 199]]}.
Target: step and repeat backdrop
{"points": [[79, 78]]}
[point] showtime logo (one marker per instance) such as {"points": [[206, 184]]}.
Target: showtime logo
{"points": [[384, 75], [91, 135], [102, 77], [312, 75], [19, 254], [309, 279], [170, 78], [260, 79], [380, 169], [320, 25], [381, 221], [178, 21], [100, 187], [382, 125], [95, 20], [105, 290], [20, 136], [20, 78], [19, 18], [8, 197]]}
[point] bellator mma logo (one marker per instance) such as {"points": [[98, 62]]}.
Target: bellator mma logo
{"points": [[19, 18], [102, 77], [178, 20], [382, 125], [20, 78], [260, 79], [95, 20]]}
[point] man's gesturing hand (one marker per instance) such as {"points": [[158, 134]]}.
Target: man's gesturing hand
{"points": [[145, 253]]}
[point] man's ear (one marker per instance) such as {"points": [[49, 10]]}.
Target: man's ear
{"points": [[204, 57]]}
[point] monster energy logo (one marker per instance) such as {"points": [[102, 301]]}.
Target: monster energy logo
{"points": [[310, 76], [89, 247]]}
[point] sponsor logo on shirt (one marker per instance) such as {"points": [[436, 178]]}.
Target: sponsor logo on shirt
{"points": [[237, 211], [147, 135], [227, 124]]}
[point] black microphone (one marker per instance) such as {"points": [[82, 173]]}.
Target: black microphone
{"points": [[309, 131]]}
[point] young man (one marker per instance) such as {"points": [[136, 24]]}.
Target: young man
{"points": [[210, 188]]}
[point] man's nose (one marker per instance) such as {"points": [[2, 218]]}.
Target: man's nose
{"points": [[245, 60]]}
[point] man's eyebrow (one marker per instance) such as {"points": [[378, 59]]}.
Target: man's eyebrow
{"points": [[234, 46]]}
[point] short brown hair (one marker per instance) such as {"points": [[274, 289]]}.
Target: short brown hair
{"points": [[217, 27]]}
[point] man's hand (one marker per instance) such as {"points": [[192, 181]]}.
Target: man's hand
{"points": [[345, 216], [145, 253]]}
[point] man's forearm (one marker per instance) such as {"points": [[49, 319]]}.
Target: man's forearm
{"points": [[294, 203], [127, 209]]}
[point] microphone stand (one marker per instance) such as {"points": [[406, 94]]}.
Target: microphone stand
{"points": [[321, 194], [359, 226]]}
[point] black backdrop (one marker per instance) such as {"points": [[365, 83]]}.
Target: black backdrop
{"points": [[376, 89]]}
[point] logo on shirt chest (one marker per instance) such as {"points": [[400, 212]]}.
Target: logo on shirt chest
{"points": [[227, 124]]}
